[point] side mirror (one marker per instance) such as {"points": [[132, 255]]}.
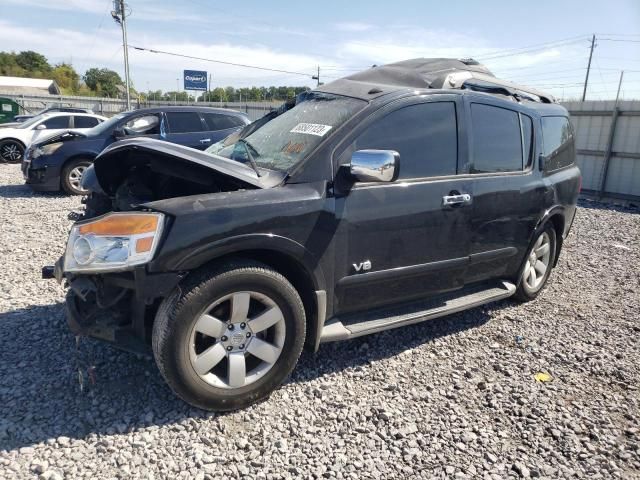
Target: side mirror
{"points": [[42, 126], [375, 165], [118, 133]]}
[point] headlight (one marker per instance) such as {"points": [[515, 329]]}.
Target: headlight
{"points": [[46, 149], [113, 242]]}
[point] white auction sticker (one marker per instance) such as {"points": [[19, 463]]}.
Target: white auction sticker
{"points": [[311, 129]]}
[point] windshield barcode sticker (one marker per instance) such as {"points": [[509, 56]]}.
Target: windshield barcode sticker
{"points": [[311, 129]]}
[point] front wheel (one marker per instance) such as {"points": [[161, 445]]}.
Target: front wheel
{"points": [[229, 336], [11, 151], [537, 265], [72, 176]]}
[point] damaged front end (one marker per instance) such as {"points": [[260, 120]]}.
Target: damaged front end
{"points": [[112, 296]]}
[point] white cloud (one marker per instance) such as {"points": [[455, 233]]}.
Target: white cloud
{"points": [[353, 26]]}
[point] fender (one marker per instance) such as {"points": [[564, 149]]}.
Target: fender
{"points": [[548, 213], [258, 241]]}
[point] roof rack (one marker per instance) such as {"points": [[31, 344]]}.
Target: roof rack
{"points": [[482, 82]]}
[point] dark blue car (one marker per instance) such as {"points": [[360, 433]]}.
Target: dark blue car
{"points": [[58, 162]]}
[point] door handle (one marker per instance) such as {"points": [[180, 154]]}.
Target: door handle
{"points": [[205, 140], [452, 200]]}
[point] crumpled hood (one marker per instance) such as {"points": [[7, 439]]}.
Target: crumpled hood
{"points": [[117, 159], [63, 136]]}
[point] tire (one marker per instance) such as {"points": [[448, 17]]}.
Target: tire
{"points": [[72, 175], [205, 369], [11, 151], [543, 248]]}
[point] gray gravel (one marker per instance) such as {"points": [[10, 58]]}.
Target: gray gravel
{"points": [[454, 397]]}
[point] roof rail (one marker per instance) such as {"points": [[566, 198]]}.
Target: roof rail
{"points": [[487, 83]]}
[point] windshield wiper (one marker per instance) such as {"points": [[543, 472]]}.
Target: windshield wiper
{"points": [[247, 148]]}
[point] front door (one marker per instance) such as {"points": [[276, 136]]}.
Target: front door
{"points": [[399, 240]]}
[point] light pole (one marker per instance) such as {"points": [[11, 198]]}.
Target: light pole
{"points": [[177, 89], [119, 15]]}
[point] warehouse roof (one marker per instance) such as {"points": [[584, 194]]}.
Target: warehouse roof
{"points": [[30, 86]]}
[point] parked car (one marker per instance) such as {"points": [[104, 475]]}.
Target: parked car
{"points": [[59, 162], [390, 197], [14, 141], [22, 118]]}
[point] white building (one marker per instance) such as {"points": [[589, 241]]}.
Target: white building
{"points": [[28, 86]]}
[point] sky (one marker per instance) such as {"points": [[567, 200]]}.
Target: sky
{"points": [[543, 44]]}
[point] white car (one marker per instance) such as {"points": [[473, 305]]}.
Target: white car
{"points": [[14, 141]]}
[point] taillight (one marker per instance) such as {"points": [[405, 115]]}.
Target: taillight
{"points": [[580, 184]]}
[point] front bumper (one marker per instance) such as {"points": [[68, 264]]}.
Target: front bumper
{"points": [[117, 308], [40, 178]]}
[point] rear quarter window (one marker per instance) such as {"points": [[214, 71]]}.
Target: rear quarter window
{"points": [[558, 145]]}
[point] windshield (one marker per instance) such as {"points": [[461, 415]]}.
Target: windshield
{"points": [[28, 123], [287, 139], [105, 126]]}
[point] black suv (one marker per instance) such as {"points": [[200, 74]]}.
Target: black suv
{"points": [[390, 197], [59, 161]]}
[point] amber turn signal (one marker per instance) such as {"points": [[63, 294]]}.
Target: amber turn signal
{"points": [[125, 224]]}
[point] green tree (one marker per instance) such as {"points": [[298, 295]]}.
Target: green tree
{"points": [[33, 63], [103, 81], [66, 77]]}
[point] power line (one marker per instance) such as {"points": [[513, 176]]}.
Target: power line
{"points": [[219, 61], [619, 40], [531, 49]]}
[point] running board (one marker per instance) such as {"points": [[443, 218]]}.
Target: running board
{"points": [[379, 320]]}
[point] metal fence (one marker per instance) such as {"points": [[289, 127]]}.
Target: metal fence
{"points": [[607, 136], [608, 143], [111, 106]]}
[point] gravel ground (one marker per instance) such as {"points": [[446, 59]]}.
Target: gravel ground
{"points": [[451, 398]]}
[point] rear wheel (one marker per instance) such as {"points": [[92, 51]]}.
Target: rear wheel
{"points": [[230, 337], [72, 176], [11, 151], [538, 265]]}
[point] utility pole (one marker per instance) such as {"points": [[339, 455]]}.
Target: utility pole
{"points": [[619, 85], [317, 77], [586, 80], [119, 15]]}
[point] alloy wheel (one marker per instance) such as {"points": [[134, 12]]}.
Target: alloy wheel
{"points": [[537, 262], [237, 339], [75, 176], [11, 152]]}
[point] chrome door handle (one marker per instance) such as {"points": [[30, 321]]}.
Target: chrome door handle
{"points": [[451, 200], [205, 140]]}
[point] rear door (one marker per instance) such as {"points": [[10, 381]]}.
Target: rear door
{"points": [[508, 193], [186, 128], [400, 241], [219, 126]]}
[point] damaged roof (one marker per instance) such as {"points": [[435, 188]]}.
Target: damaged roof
{"points": [[421, 73]]}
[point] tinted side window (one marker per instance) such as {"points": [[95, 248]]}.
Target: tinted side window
{"points": [[184, 122], [219, 121], [497, 139], [57, 122], [84, 122], [558, 142], [424, 135]]}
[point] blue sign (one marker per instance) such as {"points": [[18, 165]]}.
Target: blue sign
{"points": [[195, 80]]}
